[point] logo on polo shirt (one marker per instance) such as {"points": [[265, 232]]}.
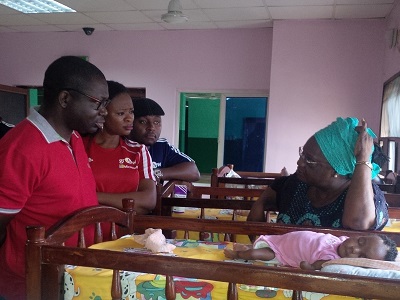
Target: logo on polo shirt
{"points": [[156, 165], [127, 163]]}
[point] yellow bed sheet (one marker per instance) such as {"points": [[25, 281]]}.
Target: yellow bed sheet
{"points": [[95, 284]]}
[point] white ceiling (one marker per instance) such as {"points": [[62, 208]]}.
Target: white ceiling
{"points": [[105, 15]]}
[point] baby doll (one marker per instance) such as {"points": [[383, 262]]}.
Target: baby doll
{"points": [[309, 250]]}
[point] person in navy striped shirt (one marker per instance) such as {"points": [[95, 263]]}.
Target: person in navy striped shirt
{"points": [[169, 163]]}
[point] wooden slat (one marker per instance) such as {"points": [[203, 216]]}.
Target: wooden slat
{"points": [[258, 174], [393, 199], [245, 181], [245, 228], [394, 212], [199, 191], [247, 178], [208, 203]]}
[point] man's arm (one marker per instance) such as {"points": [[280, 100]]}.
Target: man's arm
{"points": [[186, 171]]}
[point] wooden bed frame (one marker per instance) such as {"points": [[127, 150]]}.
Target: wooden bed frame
{"points": [[46, 257], [247, 178], [217, 197]]}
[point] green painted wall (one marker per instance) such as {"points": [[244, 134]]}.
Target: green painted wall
{"points": [[33, 97], [182, 123], [203, 124], [203, 118]]}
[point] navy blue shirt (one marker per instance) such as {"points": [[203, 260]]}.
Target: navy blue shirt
{"points": [[165, 155]]}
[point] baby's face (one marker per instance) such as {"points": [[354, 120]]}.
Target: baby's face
{"points": [[370, 246]]}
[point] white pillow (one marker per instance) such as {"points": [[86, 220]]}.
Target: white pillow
{"points": [[365, 263], [351, 270]]}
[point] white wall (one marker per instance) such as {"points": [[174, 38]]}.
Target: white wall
{"points": [[161, 61], [321, 70], [315, 70]]}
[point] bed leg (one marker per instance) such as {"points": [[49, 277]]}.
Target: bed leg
{"points": [[232, 291], [116, 289], [297, 295], [202, 236], [170, 288]]}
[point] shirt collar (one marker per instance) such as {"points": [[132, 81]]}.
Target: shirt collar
{"points": [[43, 125]]}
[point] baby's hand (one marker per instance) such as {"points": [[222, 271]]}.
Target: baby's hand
{"points": [[231, 254], [241, 247]]}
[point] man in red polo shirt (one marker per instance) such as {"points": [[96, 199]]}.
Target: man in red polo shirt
{"points": [[44, 172]]}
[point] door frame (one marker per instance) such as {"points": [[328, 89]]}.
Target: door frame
{"points": [[222, 114]]}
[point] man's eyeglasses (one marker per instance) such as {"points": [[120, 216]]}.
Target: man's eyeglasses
{"points": [[101, 103], [308, 161]]}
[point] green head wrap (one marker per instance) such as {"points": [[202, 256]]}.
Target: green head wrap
{"points": [[337, 142]]}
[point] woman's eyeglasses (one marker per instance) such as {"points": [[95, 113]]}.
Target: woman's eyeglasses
{"points": [[101, 103], [308, 161]]}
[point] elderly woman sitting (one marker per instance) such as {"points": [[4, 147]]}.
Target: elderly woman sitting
{"points": [[332, 186]]}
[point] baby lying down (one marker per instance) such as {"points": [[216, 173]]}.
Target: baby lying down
{"points": [[309, 250]]}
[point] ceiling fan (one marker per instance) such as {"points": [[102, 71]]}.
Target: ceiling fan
{"points": [[174, 14]]}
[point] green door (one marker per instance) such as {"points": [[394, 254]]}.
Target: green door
{"points": [[199, 125]]}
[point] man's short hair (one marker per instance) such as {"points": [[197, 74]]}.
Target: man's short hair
{"points": [[146, 107], [68, 72]]}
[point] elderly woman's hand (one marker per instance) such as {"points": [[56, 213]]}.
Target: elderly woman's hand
{"points": [[363, 148]]}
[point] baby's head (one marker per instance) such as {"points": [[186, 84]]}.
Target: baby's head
{"points": [[379, 247]]}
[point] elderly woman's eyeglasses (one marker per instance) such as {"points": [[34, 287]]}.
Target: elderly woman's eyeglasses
{"points": [[308, 161], [101, 103]]}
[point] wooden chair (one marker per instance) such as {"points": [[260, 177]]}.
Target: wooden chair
{"points": [[43, 279], [46, 257]]}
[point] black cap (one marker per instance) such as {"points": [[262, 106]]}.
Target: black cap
{"points": [[146, 107]]}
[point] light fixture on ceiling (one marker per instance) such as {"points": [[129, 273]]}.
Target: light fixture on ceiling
{"points": [[174, 14], [36, 6]]}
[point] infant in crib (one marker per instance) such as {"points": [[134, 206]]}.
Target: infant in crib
{"points": [[309, 250]]}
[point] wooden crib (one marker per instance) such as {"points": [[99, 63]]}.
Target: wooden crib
{"points": [[46, 257], [246, 178]]}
